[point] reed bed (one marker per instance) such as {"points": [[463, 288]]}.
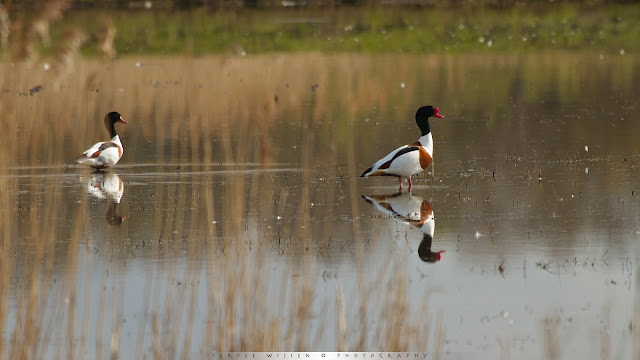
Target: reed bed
{"points": [[200, 99]]}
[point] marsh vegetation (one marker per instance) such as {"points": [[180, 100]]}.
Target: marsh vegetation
{"points": [[428, 29]]}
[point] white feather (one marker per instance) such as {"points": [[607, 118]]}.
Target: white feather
{"points": [[107, 158], [106, 186], [405, 207], [407, 164]]}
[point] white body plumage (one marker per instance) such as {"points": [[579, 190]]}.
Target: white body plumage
{"points": [[107, 157]]}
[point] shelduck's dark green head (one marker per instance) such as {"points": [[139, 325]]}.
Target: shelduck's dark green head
{"points": [[114, 117], [426, 112], [422, 117], [109, 121]]}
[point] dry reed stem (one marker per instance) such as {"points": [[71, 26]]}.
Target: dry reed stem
{"points": [[342, 319], [157, 347], [5, 28], [360, 254], [106, 34], [69, 47], [39, 27]]}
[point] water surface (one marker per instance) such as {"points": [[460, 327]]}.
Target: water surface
{"points": [[236, 219]]}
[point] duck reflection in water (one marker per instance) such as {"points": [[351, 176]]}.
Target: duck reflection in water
{"points": [[108, 186], [413, 210], [112, 215]]}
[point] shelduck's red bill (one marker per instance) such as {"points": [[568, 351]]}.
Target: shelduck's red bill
{"points": [[124, 122], [435, 113]]}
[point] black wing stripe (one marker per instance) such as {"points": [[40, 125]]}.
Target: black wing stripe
{"points": [[404, 151], [367, 171]]}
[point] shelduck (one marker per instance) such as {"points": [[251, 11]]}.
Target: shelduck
{"points": [[113, 218], [106, 153], [105, 186], [413, 210], [409, 160]]}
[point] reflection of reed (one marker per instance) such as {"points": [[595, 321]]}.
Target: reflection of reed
{"points": [[113, 217], [31, 265]]}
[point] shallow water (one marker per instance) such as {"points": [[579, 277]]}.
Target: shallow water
{"points": [[236, 219]]}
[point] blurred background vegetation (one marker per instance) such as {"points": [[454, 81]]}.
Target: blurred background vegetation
{"points": [[302, 3], [245, 27]]}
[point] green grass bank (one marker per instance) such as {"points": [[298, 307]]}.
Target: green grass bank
{"points": [[613, 28]]}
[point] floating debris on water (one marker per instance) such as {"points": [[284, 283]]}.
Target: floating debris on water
{"points": [[35, 90]]}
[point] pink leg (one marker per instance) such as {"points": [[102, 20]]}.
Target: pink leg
{"points": [[410, 184], [400, 184]]}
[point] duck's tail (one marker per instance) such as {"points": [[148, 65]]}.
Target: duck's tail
{"points": [[367, 172], [83, 160], [87, 161]]}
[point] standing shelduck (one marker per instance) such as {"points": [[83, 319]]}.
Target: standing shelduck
{"points": [[106, 153], [411, 159]]}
